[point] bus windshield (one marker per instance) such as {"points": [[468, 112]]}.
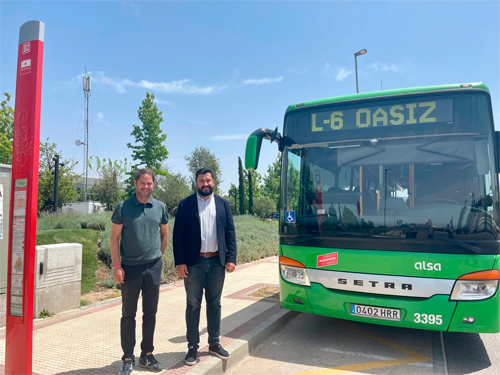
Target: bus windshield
{"points": [[412, 168]]}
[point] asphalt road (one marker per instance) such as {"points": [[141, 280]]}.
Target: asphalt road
{"points": [[317, 345]]}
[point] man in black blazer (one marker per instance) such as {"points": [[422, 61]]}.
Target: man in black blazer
{"points": [[204, 249]]}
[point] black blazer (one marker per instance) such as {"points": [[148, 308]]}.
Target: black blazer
{"points": [[187, 232]]}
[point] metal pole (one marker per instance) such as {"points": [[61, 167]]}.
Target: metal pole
{"points": [[86, 153], [56, 183], [356, 65]]}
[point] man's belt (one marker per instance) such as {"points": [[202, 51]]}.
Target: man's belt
{"points": [[209, 255]]}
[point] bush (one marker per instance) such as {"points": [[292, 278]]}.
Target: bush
{"points": [[57, 220], [96, 221], [263, 206], [67, 225], [73, 220], [256, 239]]}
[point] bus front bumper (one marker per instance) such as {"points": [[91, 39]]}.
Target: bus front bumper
{"points": [[418, 313]]}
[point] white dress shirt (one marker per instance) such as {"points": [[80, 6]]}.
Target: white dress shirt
{"points": [[208, 224]]}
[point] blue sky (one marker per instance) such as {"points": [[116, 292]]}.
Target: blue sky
{"points": [[220, 70]]}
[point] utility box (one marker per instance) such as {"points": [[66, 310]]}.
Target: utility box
{"points": [[58, 277], [5, 182]]}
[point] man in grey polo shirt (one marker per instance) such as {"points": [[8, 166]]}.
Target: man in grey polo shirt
{"points": [[139, 235]]}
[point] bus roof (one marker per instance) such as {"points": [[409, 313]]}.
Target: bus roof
{"points": [[376, 94]]}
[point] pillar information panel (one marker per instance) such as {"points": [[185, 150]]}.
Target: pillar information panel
{"points": [[18, 233]]}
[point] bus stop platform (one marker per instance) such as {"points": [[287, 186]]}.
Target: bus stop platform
{"points": [[87, 340]]}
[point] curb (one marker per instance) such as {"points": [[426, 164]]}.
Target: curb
{"points": [[240, 348]]}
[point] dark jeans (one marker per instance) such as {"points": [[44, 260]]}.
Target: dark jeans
{"points": [[145, 278], [207, 274]]}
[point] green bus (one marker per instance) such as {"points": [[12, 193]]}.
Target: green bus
{"points": [[389, 207]]}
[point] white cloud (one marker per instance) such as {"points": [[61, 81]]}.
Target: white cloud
{"points": [[262, 81], [343, 74], [183, 86], [180, 87], [336, 72], [297, 71], [383, 67], [157, 101], [100, 116], [229, 137]]}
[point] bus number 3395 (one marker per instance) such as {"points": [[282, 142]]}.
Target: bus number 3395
{"points": [[428, 319]]}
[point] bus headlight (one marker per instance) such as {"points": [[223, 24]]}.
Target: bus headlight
{"points": [[295, 275], [475, 286], [474, 290], [293, 271]]}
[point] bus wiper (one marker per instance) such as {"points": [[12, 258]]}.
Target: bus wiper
{"points": [[464, 245]]}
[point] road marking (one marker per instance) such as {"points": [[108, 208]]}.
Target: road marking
{"points": [[373, 356], [412, 359]]}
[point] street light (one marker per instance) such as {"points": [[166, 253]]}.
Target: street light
{"points": [[385, 191], [359, 53]]}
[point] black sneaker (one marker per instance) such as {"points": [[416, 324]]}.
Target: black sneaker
{"points": [[150, 362], [128, 366], [218, 351], [191, 355]]}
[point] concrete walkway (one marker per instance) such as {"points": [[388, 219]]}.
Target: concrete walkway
{"points": [[87, 340]]}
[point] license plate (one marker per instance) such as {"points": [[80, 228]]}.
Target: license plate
{"points": [[376, 312]]}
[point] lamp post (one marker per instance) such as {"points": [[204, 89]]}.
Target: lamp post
{"points": [[385, 191], [359, 53]]}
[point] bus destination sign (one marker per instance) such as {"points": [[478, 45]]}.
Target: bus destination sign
{"points": [[425, 112]]}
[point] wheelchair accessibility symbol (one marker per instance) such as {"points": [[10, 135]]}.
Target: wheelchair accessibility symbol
{"points": [[290, 216]]}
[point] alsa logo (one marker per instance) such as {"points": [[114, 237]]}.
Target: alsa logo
{"points": [[428, 266]]}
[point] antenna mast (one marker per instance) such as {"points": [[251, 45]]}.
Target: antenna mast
{"points": [[86, 93]]}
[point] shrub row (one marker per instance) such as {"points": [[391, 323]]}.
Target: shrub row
{"points": [[256, 239]]}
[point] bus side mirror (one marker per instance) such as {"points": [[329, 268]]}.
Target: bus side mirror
{"points": [[254, 142], [497, 149]]}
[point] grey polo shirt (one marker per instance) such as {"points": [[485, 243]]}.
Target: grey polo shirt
{"points": [[140, 240]]}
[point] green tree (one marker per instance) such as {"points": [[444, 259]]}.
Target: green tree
{"points": [[148, 150], [241, 187], [108, 190], [250, 194], [233, 194], [6, 130], [264, 206], [271, 185], [255, 179], [67, 178], [171, 189], [202, 157]]}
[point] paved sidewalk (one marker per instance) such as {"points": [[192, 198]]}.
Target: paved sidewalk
{"points": [[87, 340]]}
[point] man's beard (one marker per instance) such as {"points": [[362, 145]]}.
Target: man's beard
{"points": [[205, 194], [144, 195]]}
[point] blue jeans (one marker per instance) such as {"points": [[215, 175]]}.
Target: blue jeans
{"points": [[207, 274]]}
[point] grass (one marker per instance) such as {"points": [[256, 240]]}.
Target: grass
{"points": [[89, 240], [45, 314], [256, 239]]}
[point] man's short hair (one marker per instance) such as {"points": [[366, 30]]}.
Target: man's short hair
{"points": [[142, 171], [204, 171]]}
